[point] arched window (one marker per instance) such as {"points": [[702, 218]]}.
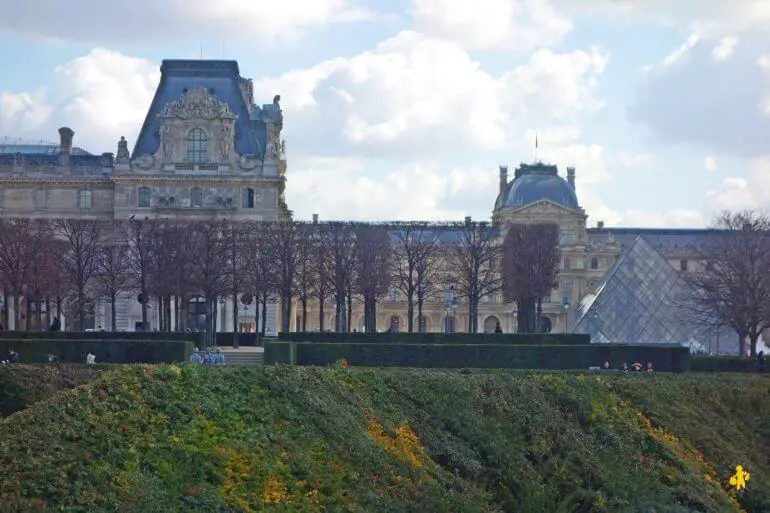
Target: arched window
{"points": [[196, 197], [197, 145], [84, 198], [248, 198]]}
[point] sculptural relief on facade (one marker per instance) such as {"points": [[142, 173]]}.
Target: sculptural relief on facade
{"points": [[273, 141], [248, 162], [226, 142], [197, 103], [144, 162], [167, 142]]}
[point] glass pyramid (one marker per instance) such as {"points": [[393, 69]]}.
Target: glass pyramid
{"points": [[635, 302]]}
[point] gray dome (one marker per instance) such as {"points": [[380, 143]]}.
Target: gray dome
{"points": [[540, 182]]}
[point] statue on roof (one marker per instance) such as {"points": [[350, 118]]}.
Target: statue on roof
{"points": [[123, 155]]}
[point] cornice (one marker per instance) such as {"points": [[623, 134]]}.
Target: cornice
{"points": [[54, 180], [198, 179]]}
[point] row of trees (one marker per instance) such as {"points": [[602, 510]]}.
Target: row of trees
{"points": [[72, 262]]}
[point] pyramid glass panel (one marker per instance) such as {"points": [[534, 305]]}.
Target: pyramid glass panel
{"points": [[635, 302]]}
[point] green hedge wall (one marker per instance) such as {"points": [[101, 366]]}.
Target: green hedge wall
{"points": [[441, 338], [724, 364], [674, 359], [280, 352], [106, 351], [223, 339]]}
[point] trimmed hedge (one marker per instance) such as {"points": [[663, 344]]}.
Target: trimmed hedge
{"points": [[724, 364], [222, 339], [106, 351], [519, 339], [281, 352], [491, 356]]}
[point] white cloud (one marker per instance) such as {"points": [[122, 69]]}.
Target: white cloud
{"points": [[416, 96], [710, 163], [676, 55], [706, 104], [635, 161], [517, 25], [247, 21], [22, 113], [710, 17], [724, 49], [751, 191], [588, 161], [675, 218], [345, 188]]}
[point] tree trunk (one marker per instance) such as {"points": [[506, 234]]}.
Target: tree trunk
{"points": [[410, 312], [286, 311], [304, 315], [350, 313], [264, 314], [16, 313], [321, 314], [113, 312], [47, 313], [144, 311], [236, 311]]}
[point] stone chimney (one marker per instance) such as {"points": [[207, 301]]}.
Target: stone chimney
{"points": [[65, 145], [503, 181], [468, 220], [600, 225], [571, 176], [315, 218]]}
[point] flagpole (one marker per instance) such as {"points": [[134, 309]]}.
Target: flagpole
{"points": [[536, 146]]}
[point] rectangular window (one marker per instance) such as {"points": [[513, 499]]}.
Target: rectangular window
{"points": [[565, 235], [567, 263], [41, 198], [145, 196], [594, 263], [196, 197], [566, 293], [84, 199], [248, 198], [683, 265]]}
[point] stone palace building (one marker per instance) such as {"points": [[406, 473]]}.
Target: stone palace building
{"points": [[207, 150]]}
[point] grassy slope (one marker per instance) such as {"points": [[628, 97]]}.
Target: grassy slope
{"points": [[157, 439]]}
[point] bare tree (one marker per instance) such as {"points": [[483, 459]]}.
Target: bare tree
{"points": [[83, 239], [303, 278], [285, 241], [43, 276], [141, 236], [209, 266], [321, 273], [338, 238], [372, 274], [731, 287], [20, 240], [113, 276], [530, 270], [235, 237], [416, 257], [475, 264], [260, 269]]}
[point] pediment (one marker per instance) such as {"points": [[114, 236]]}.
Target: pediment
{"points": [[198, 103], [545, 207]]}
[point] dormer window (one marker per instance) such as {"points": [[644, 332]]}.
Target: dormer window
{"points": [[197, 146]]}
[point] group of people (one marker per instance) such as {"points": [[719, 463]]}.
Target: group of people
{"points": [[209, 358], [635, 367], [13, 357]]}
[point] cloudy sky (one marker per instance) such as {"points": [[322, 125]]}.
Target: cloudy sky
{"points": [[405, 109]]}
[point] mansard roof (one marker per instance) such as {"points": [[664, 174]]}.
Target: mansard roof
{"points": [[223, 81], [665, 239]]}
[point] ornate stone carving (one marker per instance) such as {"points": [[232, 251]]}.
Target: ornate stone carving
{"points": [[167, 140], [273, 141], [123, 155], [226, 142], [145, 161], [197, 103], [248, 162]]}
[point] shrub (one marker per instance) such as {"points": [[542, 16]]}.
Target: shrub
{"points": [[723, 364], [106, 351], [664, 358], [222, 339], [518, 339]]}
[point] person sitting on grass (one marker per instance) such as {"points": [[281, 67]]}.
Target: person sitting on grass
{"points": [[606, 366], [649, 367], [636, 367], [624, 366]]}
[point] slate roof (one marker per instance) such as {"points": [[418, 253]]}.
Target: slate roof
{"points": [[666, 239], [223, 80]]}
